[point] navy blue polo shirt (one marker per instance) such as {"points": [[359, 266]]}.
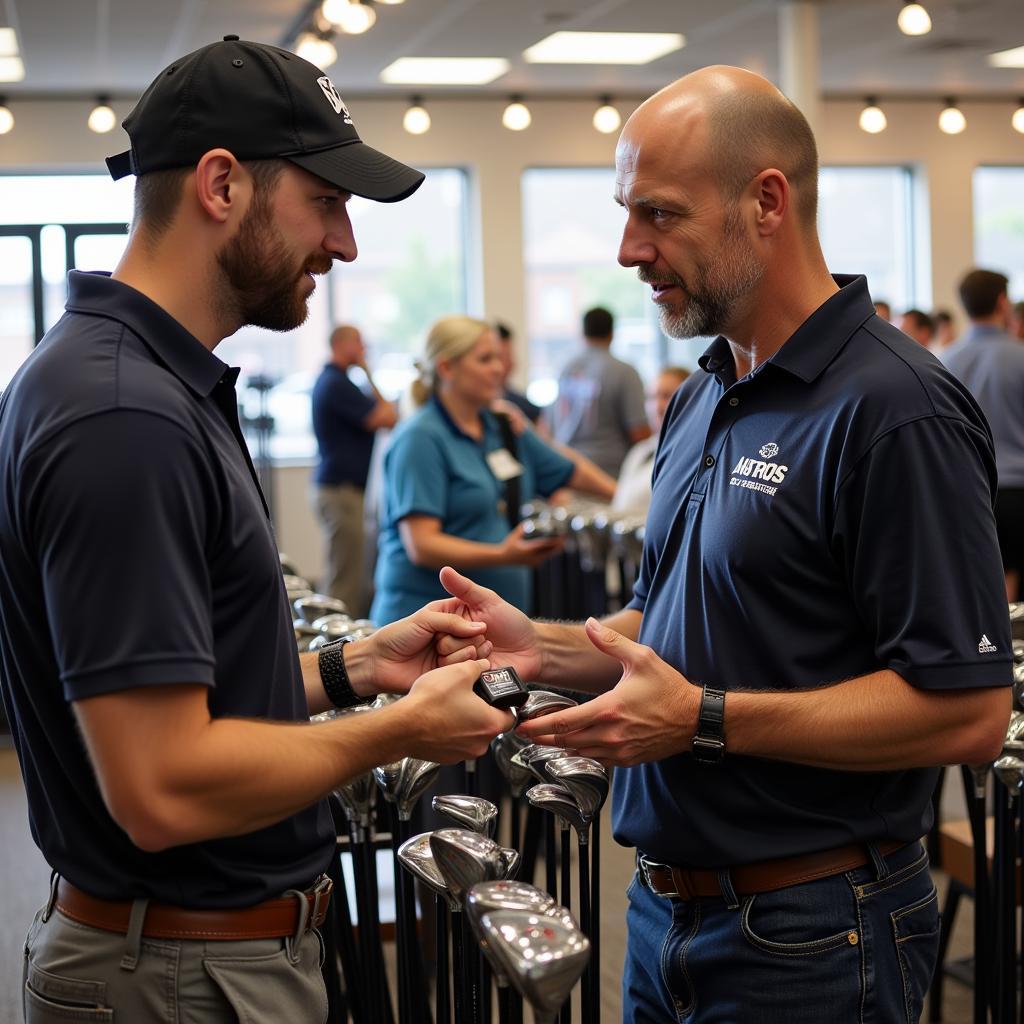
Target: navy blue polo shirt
{"points": [[136, 551], [827, 516], [346, 446], [433, 468]]}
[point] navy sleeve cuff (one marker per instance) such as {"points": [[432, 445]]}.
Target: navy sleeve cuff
{"points": [[965, 676], [131, 676]]}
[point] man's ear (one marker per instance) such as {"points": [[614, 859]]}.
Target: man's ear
{"points": [[221, 185], [772, 195]]}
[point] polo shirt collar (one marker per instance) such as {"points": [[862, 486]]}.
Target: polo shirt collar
{"points": [[98, 294], [453, 426], [816, 342], [983, 332]]}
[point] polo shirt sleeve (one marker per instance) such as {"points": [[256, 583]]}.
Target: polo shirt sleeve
{"points": [[347, 402], [416, 475], [914, 533], [120, 507], [634, 411], [551, 469]]}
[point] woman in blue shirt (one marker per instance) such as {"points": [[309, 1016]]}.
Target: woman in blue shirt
{"points": [[445, 479]]}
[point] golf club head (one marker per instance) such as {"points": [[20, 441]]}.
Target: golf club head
{"points": [[472, 812], [518, 776], [510, 860], [1014, 742], [558, 801], [304, 633], [334, 625], [1018, 651], [318, 605], [386, 776], [1009, 770], [414, 776], [296, 582], [1018, 691], [416, 857], [1017, 620], [287, 565], [537, 756], [543, 702], [585, 778], [542, 956], [465, 858], [382, 700]]}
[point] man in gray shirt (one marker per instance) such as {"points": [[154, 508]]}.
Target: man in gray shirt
{"points": [[600, 406], [990, 362]]}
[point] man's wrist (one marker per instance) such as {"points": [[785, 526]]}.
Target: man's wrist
{"points": [[359, 666]]}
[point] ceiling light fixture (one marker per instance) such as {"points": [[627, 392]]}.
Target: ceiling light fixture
{"points": [[6, 117], [444, 70], [102, 118], [11, 69], [606, 118], [952, 120], [417, 119], [1018, 117], [603, 47], [913, 19], [331, 10], [317, 49], [872, 117], [8, 42], [516, 117], [1007, 58], [355, 18]]}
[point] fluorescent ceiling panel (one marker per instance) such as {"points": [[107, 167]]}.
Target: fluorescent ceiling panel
{"points": [[604, 47], [8, 42], [11, 69], [444, 70], [1008, 58]]}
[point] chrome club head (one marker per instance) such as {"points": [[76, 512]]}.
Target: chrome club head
{"points": [[537, 756], [518, 776], [414, 776], [317, 605], [1009, 770], [558, 801], [543, 702], [1014, 742], [510, 862], [472, 812], [465, 858], [333, 625], [416, 857], [585, 778], [287, 565], [543, 957], [304, 633]]}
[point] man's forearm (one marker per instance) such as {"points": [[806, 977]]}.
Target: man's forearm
{"points": [[569, 660]]}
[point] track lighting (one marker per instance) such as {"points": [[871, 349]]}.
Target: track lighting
{"points": [[6, 117], [317, 49], [914, 20], [952, 120], [516, 116], [1018, 117], [872, 117], [349, 16], [606, 117], [101, 118], [416, 120]]}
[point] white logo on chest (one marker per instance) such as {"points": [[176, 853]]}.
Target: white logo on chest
{"points": [[758, 475]]}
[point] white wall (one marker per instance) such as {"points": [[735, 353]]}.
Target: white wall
{"points": [[52, 136]]}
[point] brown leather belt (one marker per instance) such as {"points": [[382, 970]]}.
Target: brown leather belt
{"points": [[272, 919], [748, 879]]}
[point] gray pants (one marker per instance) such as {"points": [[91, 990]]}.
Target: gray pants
{"points": [[340, 510], [77, 973]]}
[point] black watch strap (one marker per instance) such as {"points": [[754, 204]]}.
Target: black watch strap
{"points": [[337, 686], [709, 741]]}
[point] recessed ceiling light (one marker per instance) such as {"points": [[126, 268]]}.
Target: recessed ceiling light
{"points": [[444, 70], [8, 42], [11, 69], [1007, 58], [603, 47]]}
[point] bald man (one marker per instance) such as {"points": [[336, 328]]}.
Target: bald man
{"points": [[819, 618], [345, 421]]}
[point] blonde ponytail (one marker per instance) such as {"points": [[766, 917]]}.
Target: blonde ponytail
{"points": [[451, 337]]}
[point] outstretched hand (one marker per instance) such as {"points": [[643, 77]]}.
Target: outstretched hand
{"points": [[650, 714]]}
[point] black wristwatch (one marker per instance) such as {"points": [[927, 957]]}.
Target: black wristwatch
{"points": [[709, 741], [333, 675]]}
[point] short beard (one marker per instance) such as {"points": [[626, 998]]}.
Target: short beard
{"points": [[261, 274], [720, 285]]}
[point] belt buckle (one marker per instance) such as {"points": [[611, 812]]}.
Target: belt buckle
{"points": [[645, 865], [321, 894]]}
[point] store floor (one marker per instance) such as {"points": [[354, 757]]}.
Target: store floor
{"points": [[24, 876]]}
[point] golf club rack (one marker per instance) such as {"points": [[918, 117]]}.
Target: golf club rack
{"points": [[998, 846], [472, 933]]}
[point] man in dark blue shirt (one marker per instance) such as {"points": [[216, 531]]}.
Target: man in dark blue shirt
{"points": [[820, 610], [148, 664], [345, 420]]}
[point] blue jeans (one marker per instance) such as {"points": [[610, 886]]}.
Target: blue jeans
{"points": [[855, 947]]}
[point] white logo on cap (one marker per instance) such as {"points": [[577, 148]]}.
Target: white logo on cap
{"points": [[333, 98]]}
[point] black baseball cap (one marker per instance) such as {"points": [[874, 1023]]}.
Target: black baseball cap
{"points": [[259, 102]]}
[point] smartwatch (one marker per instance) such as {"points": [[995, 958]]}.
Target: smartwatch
{"points": [[331, 662], [709, 741]]}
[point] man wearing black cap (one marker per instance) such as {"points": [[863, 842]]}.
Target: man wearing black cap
{"points": [[149, 667]]}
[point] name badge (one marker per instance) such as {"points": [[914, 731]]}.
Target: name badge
{"points": [[504, 465]]}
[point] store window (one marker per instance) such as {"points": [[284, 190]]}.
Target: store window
{"points": [[999, 223]]}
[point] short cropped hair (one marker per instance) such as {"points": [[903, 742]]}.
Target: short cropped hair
{"points": [[922, 321], [598, 323], [750, 133], [502, 330], [980, 291]]}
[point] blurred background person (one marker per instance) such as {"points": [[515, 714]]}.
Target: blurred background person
{"points": [[455, 476], [883, 309], [990, 362], [506, 345], [1017, 328], [345, 422], [945, 330], [919, 326], [599, 410], [633, 493]]}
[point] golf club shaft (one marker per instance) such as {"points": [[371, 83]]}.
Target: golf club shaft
{"points": [[458, 969], [586, 986], [442, 993], [550, 857], [595, 918]]}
